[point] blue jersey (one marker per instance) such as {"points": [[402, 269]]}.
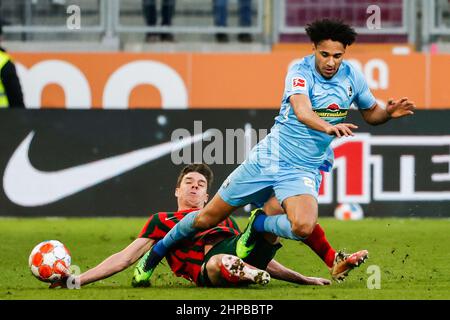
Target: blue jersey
{"points": [[294, 143]]}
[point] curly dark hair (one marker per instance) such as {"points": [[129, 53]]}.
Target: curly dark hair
{"points": [[329, 29], [201, 168]]}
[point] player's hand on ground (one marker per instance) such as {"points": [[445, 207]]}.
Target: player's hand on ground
{"points": [[400, 108], [59, 284], [341, 130]]}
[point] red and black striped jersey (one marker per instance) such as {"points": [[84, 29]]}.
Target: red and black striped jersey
{"points": [[187, 257]]}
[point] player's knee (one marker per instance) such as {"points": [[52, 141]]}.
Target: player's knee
{"points": [[213, 268], [214, 264], [303, 230]]}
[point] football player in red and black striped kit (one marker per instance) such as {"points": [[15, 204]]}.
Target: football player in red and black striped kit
{"points": [[209, 258]]}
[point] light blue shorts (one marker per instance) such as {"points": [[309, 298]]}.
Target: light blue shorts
{"points": [[254, 183]]}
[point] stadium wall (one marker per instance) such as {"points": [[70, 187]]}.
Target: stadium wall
{"points": [[212, 80], [125, 163]]}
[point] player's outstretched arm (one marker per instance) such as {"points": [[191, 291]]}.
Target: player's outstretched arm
{"points": [[394, 109], [280, 272], [303, 110], [118, 261], [114, 263]]}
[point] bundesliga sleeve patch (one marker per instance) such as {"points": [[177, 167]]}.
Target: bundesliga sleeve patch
{"points": [[298, 83]]}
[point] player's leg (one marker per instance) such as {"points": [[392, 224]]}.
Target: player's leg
{"points": [[226, 270], [264, 251], [297, 190], [338, 263], [238, 189], [213, 213], [317, 241], [297, 224], [302, 213]]}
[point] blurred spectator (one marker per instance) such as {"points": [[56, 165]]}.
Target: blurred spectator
{"points": [[150, 14], [220, 9], [10, 90]]}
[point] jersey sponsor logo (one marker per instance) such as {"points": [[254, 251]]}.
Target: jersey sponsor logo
{"points": [[331, 111], [298, 83], [29, 187]]}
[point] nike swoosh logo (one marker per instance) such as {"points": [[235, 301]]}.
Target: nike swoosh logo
{"points": [[29, 187]]}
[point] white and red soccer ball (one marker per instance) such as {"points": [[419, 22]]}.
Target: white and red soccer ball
{"points": [[348, 211], [49, 261]]}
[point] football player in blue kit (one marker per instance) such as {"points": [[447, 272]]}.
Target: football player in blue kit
{"points": [[319, 91]]}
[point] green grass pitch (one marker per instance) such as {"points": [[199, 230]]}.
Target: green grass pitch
{"points": [[412, 255]]}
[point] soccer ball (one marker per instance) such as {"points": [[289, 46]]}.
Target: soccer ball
{"points": [[49, 261], [348, 211]]}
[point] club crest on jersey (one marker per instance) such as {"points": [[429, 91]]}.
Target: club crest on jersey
{"points": [[298, 83], [350, 91]]}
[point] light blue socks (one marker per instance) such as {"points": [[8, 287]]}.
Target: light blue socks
{"points": [[279, 225]]}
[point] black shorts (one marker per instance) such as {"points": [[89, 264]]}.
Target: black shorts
{"points": [[259, 257]]}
